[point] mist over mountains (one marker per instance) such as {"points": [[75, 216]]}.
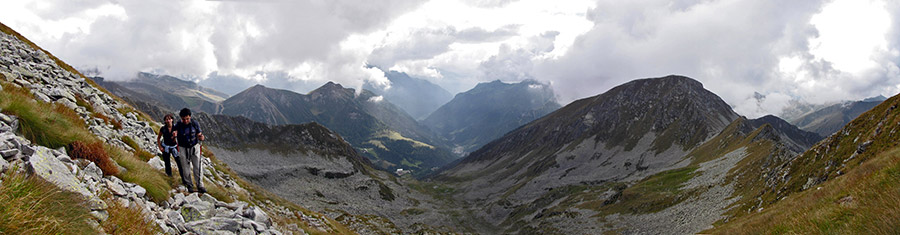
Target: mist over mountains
{"points": [[486, 112], [417, 97]]}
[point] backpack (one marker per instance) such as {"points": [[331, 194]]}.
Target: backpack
{"points": [[190, 132]]}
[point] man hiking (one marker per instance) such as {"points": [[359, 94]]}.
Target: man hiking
{"points": [[188, 136]]}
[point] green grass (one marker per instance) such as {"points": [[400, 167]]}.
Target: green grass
{"points": [[141, 173], [138, 151], [50, 125], [435, 190], [83, 103], [874, 209], [55, 126], [34, 206], [127, 220], [652, 194], [859, 194]]}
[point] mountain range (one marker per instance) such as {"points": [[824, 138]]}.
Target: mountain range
{"points": [[377, 128], [486, 112], [613, 155], [651, 156], [829, 119], [418, 97]]}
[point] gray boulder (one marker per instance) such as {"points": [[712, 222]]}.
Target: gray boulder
{"points": [[116, 188], [214, 225], [139, 191], [93, 171], [9, 153], [57, 93], [45, 165], [4, 165], [197, 211], [176, 220], [258, 215]]}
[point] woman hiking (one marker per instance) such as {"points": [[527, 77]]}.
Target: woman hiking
{"points": [[168, 145]]}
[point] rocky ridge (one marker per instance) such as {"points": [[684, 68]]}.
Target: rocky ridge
{"points": [[33, 69]]}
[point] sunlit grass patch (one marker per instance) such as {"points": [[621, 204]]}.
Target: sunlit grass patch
{"points": [[50, 125], [30, 205]]}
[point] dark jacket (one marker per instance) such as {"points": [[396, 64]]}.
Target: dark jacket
{"points": [[188, 133], [167, 136]]}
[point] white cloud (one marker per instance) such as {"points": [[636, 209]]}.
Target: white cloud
{"points": [[817, 51], [376, 99], [850, 33]]}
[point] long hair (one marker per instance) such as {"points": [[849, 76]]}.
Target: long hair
{"points": [[169, 115]]}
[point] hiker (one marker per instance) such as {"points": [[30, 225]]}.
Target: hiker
{"points": [[167, 144], [188, 136]]}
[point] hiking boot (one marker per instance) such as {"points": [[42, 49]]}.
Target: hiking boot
{"points": [[201, 190]]}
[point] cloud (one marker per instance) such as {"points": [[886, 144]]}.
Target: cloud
{"points": [[814, 51], [196, 38], [426, 43], [735, 48]]}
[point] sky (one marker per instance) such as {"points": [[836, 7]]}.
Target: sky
{"points": [[804, 51]]}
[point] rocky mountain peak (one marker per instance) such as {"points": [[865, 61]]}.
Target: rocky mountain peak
{"points": [[676, 104], [878, 98], [258, 88], [677, 110], [332, 91]]}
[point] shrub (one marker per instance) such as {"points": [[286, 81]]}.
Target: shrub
{"points": [[94, 152], [31, 205]]}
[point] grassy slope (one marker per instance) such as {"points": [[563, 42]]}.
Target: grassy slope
{"points": [[864, 200], [859, 167], [55, 126], [34, 206]]}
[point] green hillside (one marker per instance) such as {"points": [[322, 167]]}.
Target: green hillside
{"points": [[846, 184]]}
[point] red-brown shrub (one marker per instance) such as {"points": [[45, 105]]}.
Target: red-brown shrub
{"points": [[94, 152]]}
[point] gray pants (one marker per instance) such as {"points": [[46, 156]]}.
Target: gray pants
{"points": [[190, 160]]}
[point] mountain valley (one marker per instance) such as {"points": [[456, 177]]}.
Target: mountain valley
{"points": [[650, 156]]}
